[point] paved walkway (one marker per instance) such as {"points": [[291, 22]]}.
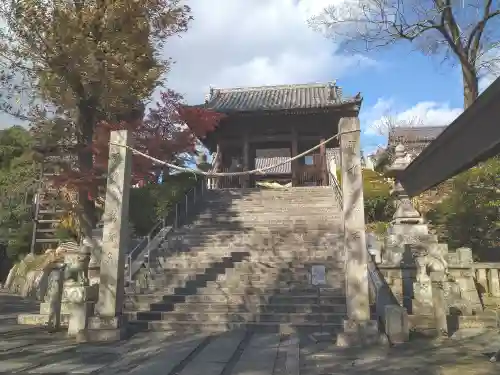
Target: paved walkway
{"points": [[34, 351], [459, 356]]}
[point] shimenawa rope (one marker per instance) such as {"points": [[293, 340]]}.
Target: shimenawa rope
{"points": [[227, 174]]}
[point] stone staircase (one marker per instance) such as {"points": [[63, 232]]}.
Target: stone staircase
{"points": [[245, 263]]}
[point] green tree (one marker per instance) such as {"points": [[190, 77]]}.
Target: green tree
{"points": [[470, 214], [377, 196], [17, 184], [92, 61]]}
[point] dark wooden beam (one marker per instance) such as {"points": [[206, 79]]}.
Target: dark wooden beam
{"points": [[294, 152], [324, 172], [271, 138], [472, 138], [246, 158], [218, 165]]}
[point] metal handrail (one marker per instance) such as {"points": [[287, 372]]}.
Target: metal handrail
{"points": [[173, 220], [336, 187], [176, 217]]}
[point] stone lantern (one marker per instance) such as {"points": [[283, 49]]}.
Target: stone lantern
{"points": [[406, 219], [407, 226]]}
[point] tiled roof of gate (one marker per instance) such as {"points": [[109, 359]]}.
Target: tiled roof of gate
{"points": [[402, 134], [282, 97]]}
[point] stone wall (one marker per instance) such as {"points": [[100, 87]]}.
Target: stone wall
{"points": [[29, 277]]}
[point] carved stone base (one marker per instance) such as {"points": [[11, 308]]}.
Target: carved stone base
{"points": [[408, 230], [360, 334], [78, 317], [422, 301], [43, 318], [105, 329], [40, 319]]}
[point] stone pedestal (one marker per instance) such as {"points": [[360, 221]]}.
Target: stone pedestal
{"points": [[80, 300], [108, 322], [359, 334], [469, 294], [440, 307], [51, 309], [422, 300], [95, 256], [101, 328], [396, 323]]}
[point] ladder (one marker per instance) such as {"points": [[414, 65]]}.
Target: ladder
{"points": [[48, 211]]}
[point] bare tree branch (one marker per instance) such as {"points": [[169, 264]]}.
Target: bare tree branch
{"points": [[455, 30]]}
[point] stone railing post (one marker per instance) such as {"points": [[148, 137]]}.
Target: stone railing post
{"points": [[109, 323], [494, 282], [359, 329], [54, 297], [439, 304]]}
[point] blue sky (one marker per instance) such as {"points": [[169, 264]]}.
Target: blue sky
{"points": [[267, 42], [406, 78]]}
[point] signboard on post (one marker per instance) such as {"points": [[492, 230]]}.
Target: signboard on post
{"points": [[318, 274]]}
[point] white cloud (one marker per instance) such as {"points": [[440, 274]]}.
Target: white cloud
{"points": [[254, 42], [379, 119]]}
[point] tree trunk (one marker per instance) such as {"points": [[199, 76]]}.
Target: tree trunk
{"points": [[470, 84], [87, 210]]}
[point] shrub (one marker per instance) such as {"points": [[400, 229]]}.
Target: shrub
{"points": [[470, 214], [377, 191], [152, 202]]}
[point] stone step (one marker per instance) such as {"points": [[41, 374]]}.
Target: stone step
{"points": [[273, 194], [209, 283], [244, 221], [198, 260], [288, 261], [189, 327], [305, 295], [265, 242], [324, 224], [263, 201], [236, 317], [218, 303], [282, 211], [309, 204], [232, 274], [272, 197], [272, 205], [227, 308], [243, 236], [239, 253], [167, 269], [204, 285], [258, 249], [211, 233]]}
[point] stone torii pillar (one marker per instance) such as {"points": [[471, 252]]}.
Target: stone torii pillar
{"points": [[359, 329], [109, 323]]}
